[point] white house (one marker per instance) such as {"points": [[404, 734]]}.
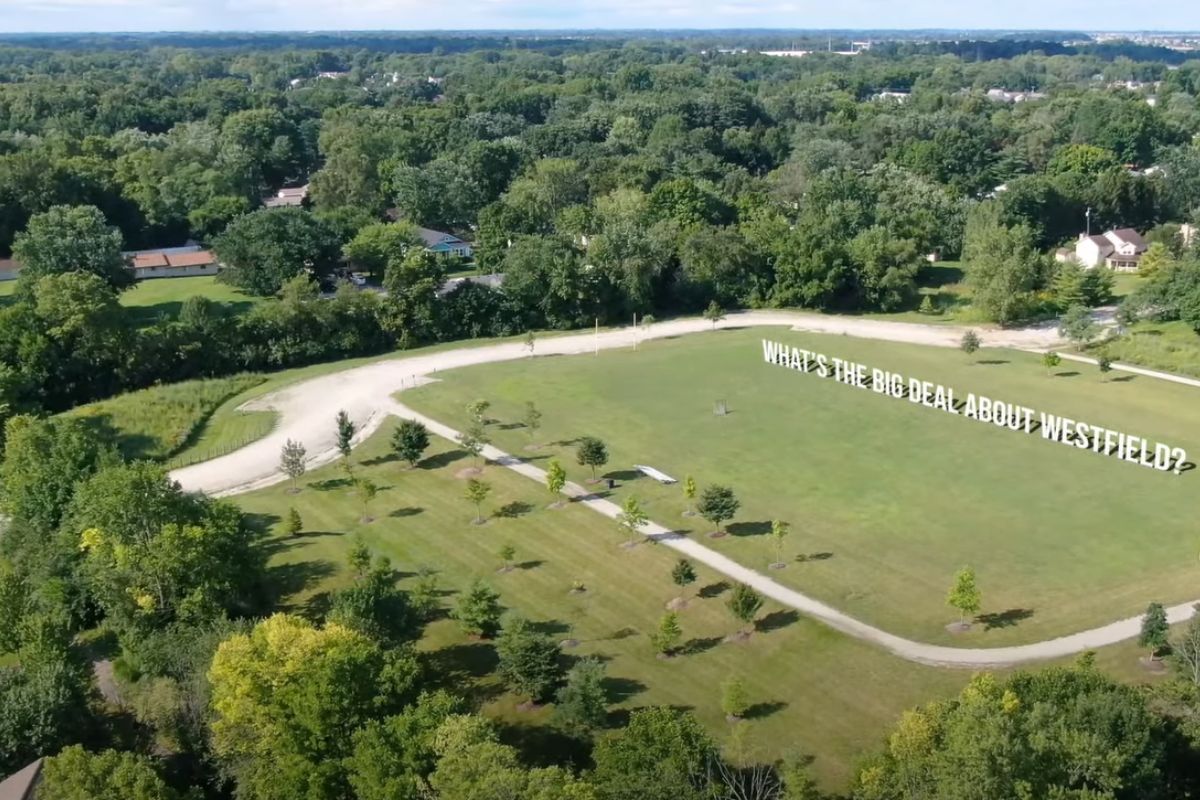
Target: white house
{"points": [[1120, 249]]}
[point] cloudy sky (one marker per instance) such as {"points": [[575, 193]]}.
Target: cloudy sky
{"points": [[149, 15]]}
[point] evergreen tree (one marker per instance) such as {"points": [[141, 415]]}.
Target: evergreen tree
{"points": [[345, 433], [667, 637], [294, 523], [744, 603], [581, 705], [718, 504], [478, 610], [528, 659]]}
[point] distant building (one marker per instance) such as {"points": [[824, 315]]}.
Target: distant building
{"points": [[294, 197], [9, 269], [444, 243], [899, 97], [188, 261], [1005, 96], [1119, 250]]}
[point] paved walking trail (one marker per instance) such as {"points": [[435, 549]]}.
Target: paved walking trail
{"points": [[306, 409]]}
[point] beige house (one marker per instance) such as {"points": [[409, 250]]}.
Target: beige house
{"points": [[174, 262], [294, 197]]}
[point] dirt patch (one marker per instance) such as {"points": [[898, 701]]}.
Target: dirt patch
{"points": [[532, 448], [468, 472], [567, 644], [577, 591], [479, 521], [556, 505], [737, 638], [958, 627], [677, 604], [665, 656], [717, 535], [1153, 666], [628, 545], [504, 570], [776, 565]]}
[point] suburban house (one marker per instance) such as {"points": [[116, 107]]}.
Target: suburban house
{"points": [[1120, 250], [287, 197], [9, 269], [444, 244], [172, 262]]}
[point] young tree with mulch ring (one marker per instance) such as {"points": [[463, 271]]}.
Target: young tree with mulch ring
{"points": [[556, 479], [718, 504], [345, 433], [666, 638], [366, 489], [964, 596], [507, 554], [294, 524], [683, 574], [1155, 631], [631, 519], [410, 440], [1050, 361], [532, 420], [744, 604], [1104, 363], [473, 440], [477, 492], [779, 532], [969, 343], [591, 452], [734, 699], [292, 463], [689, 494]]}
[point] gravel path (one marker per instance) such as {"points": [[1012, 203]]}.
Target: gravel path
{"points": [[306, 412]]}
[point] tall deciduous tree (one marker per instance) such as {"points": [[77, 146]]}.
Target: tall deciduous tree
{"points": [[262, 250], [1003, 266], [412, 284], [532, 420], [71, 239], [662, 754], [76, 774], [287, 697]]}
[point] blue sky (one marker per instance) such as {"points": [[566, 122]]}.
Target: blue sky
{"points": [[143, 15]]}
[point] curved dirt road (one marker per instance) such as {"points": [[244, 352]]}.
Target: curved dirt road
{"points": [[306, 412]]}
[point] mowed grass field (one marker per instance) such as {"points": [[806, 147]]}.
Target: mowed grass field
{"points": [[886, 499], [816, 692]]}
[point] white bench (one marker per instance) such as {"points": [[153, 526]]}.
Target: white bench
{"points": [[661, 477]]}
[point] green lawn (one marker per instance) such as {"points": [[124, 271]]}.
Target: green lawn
{"points": [[819, 693], [162, 421], [163, 297], [886, 499]]}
